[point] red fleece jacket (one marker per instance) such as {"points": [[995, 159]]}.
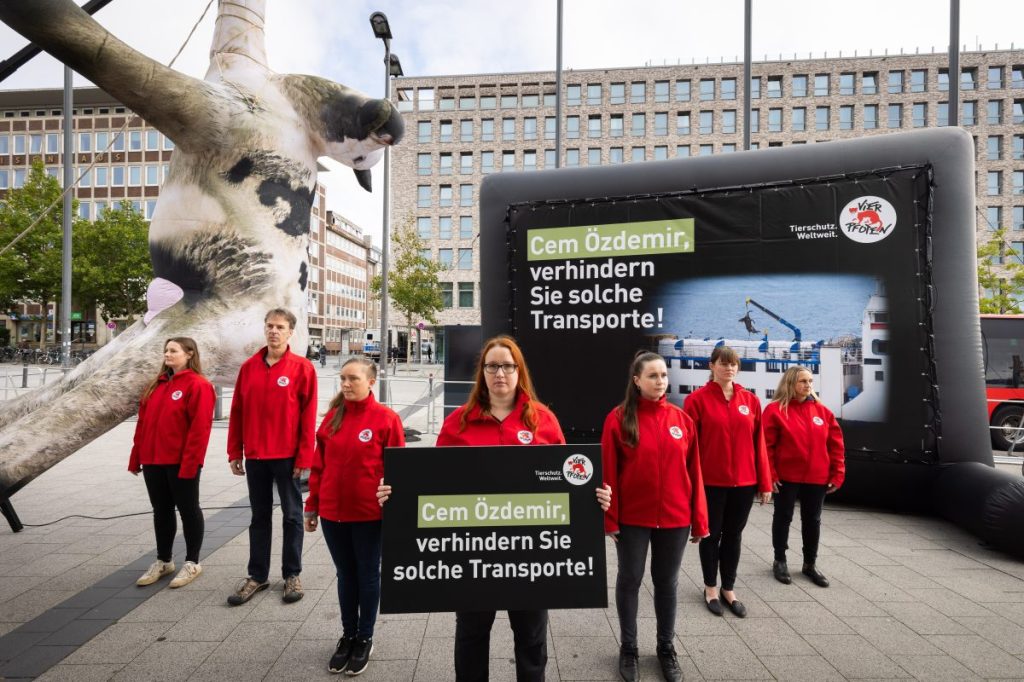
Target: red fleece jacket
{"points": [[174, 424], [483, 429], [805, 443]]}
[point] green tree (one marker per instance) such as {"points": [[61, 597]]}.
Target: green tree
{"points": [[413, 286], [31, 269], [1003, 284], [111, 263]]}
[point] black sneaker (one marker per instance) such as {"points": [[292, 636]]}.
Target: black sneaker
{"points": [[360, 658], [670, 669], [339, 661], [628, 663]]}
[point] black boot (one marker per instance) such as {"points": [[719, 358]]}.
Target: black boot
{"points": [[815, 575], [781, 572], [670, 669], [629, 667]]}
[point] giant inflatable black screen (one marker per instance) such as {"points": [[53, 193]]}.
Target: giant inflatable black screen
{"points": [[853, 258]]}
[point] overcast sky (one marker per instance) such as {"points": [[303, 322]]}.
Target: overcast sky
{"points": [[332, 38]]}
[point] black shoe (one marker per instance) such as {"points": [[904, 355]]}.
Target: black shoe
{"points": [[815, 575], [629, 667], [339, 661], [670, 669], [737, 607], [781, 572], [360, 658], [714, 606]]}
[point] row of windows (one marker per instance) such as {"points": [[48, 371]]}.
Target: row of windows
{"points": [[340, 289], [707, 89], [88, 111], [94, 210], [465, 290], [334, 264], [994, 218], [100, 176], [425, 228], [347, 245], [51, 143], [994, 183], [708, 122], [457, 259]]}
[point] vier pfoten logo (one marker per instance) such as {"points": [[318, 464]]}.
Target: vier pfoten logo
{"points": [[867, 219], [282, 381], [176, 395], [365, 435], [578, 469]]}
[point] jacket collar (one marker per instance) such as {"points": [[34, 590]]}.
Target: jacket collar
{"points": [[477, 413], [360, 405], [717, 388], [166, 376], [645, 405]]}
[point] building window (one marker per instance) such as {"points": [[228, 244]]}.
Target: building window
{"points": [[1018, 111], [486, 162], [423, 164], [117, 176], [683, 123], [707, 89], [573, 95], [594, 125], [135, 141], [661, 124], [615, 125], [465, 130], [549, 127], [465, 259], [895, 116], [994, 80], [466, 191], [895, 82], [729, 121], [465, 294], [994, 183], [638, 125], [755, 120], [487, 130], [821, 85], [994, 148], [847, 83], [423, 196], [446, 294], [1017, 152], [919, 115], [1018, 182], [488, 102], [943, 80], [445, 258], [728, 88], [799, 123], [968, 79], [638, 154], [729, 147], [508, 160], [755, 87], [994, 112], [594, 156], [530, 128], [466, 163], [918, 80], [706, 150], [661, 91], [942, 114], [870, 116], [1017, 77], [572, 158], [510, 101], [617, 93], [821, 115], [707, 122], [152, 140], [594, 94], [529, 163], [531, 101], [969, 115], [869, 83], [638, 92], [423, 227], [993, 217], [799, 85], [572, 127], [775, 120], [444, 227], [423, 131], [683, 90], [682, 151], [445, 163], [447, 104], [774, 87], [615, 155], [444, 196], [660, 153], [465, 227], [1018, 217], [508, 129]]}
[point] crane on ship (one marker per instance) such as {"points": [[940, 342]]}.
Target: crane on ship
{"points": [[746, 319]]}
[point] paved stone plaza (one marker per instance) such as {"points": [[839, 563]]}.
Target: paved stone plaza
{"points": [[911, 597]]}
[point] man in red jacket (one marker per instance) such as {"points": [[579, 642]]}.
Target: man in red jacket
{"points": [[273, 425]]}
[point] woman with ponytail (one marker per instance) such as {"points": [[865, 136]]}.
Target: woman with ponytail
{"points": [[347, 467], [651, 459]]}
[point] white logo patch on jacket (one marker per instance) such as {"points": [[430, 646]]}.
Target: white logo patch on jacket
{"points": [[525, 437], [282, 381], [365, 435], [744, 410], [818, 421], [176, 395], [675, 432]]}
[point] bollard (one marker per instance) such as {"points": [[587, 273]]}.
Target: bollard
{"points": [[430, 403], [218, 407], [24, 373]]}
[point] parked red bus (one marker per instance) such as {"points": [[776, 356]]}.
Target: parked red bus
{"points": [[1003, 347]]}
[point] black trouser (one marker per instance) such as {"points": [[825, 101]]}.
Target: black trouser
{"points": [[728, 509], [167, 491], [812, 498], [355, 549], [473, 644], [667, 545], [261, 475]]}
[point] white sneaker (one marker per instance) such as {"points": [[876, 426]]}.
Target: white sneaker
{"points": [[158, 569], [189, 572]]}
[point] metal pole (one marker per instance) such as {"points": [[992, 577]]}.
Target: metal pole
{"points": [[69, 180], [384, 238], [558, 89], [746, 73], [954, 62]]}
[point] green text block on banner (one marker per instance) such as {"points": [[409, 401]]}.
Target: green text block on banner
{"points": [[474, 511], [618, 239]]}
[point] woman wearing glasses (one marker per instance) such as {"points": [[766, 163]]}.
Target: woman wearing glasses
{"points": [[502, 410], [651, 458]]}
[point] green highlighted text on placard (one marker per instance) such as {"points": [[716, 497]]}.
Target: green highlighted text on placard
{"points": [[469, 511], [619, 239]]}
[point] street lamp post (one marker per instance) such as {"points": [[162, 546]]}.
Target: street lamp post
{"points": [[392, 67]]}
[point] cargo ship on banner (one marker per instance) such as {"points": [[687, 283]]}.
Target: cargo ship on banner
{"points": [[849, 372]]}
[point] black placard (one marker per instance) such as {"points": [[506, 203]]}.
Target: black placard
{"points": [[453, 540]]}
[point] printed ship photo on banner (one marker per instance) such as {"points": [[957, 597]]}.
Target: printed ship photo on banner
{"points": [[855, 259], [493, 528]]}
